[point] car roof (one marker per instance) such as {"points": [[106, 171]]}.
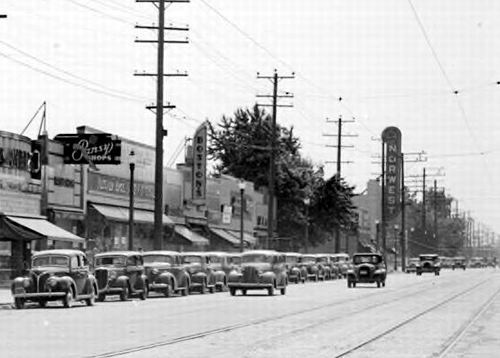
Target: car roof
{"points": [[65, 252], [436, 255], [293, 254], [343, 254], [118, 253], [161, 252], [261, 252], [367, 254], [218, 253], [194, 253]]}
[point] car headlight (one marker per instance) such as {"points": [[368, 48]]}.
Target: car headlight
{"points": [[155, 271], [26, 282], [52, 281], [112, 275]]}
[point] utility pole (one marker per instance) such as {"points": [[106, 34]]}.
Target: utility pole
{"points": [[339, 162], [423, 206], [272, 165], [402, 243], [160, 132], [436, 240]]}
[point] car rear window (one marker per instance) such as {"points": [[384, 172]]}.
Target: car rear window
{"points": [[149, 259], [111, 261], [51, 260]]}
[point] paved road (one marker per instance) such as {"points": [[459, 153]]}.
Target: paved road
{"points": [[456, 314]]}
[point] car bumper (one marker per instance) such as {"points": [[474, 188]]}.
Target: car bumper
{"points": [[111, 291], [158, 286], [249, 286], [39, 295]]}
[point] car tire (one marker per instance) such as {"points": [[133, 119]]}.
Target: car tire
{"points": [[203, 287], [303, 280], [244, 292], [436, 273], [283, 291], [270, 291], [91, 301], [378, 284], [42, 303], [354, 284], [68, 299], [232, 291], [349, 284], [19, 303], [185, 291], [211, 289], [144, 293], [101, 297], [383, 283], [124, 294], [168, 290]]}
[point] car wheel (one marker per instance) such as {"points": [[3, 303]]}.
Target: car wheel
{"points": [[203, 287], [303, 280], [124, 294], [378, 284], [383, 283], [232, 291], [244, 292], [437, 273], [185, 291], [211, 289], [19, 303], [168, 291], [68, 299], [90, 301], [270, 291], [354, 284], [144, 293], [101, 297], [349, 284], [42, 303], [283, 291]]}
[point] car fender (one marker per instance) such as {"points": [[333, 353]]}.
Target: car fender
{"points": [[19, 282], [199, 277], [166, 277], [67, 283], [121, 281], [268, 277]]}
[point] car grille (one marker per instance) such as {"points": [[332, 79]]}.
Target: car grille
{"points": [[102, 278], [365, 271], [42, 279], [250, 274]]}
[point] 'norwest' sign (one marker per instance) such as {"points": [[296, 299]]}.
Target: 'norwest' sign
{"points": [[391, 136], [85, 148]]}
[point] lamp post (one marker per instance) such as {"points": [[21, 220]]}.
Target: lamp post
{"points": [[377, 234], [131, 161], [241, 185], [307, 201]]}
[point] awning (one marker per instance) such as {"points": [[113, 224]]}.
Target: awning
{"points": [[224, 235], [250, 239], [191, 236], [33, 228], [116, 213]]}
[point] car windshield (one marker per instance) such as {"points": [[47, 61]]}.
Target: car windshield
{"points": [[111, 261], [291, 259], [322, 259], [215, 259], [256, 258], [149, 259], [236, 260], [428, 258], [308, 258], [51, 260], [192, 259], [371, 259]]}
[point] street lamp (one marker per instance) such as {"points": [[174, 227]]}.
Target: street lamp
{"points": [[377, 234], [241, 185], [307, 201], [131, 161]]}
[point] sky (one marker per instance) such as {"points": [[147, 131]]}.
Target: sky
{"points": [[428, 67]]}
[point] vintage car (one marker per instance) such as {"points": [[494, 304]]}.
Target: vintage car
{"points": [[491, 262], [459, 262], [202, 277], [260, 270], [367, 268], [326, 267], [428, 263], [343, 262], [234, 260], [446, 262], [308, 261], [476, 262], [120, 273], [296, 272], [221, 265], [412, 264], [56, 275], [165, 272]]}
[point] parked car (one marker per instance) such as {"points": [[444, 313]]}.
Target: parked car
{"points": [[325, 266], [234, 260], [343, 262], [296, 272], [202, 277], [308, 261], [428, 263], [446, 262], [120, 273], [56, 275], [491, 262], [367, 268], [476, 262], [412, 264], [260, 270], [165, 272], [220, 263], [459, 262]]}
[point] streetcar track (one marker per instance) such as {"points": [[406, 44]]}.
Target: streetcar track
{"points": [[462, 330], [233, 327], [408, 320]]}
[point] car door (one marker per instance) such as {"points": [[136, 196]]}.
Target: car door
{"points": [[133, 271], [80, 273]]}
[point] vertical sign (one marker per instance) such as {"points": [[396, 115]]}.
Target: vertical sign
{"points": [[391, 136], [199, 179]]}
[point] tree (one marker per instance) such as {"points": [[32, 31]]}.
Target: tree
{"points": [[240, 147]]}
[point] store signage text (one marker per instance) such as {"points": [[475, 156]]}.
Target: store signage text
{"points": [[199, 179], [119, 186], [391, 136], [14, 158], [86, 148]]}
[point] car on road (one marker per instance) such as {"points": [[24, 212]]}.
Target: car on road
{"points": [[220, 263], [308, 261], [326, 267], [120, 273], [476, 262], [296, 272], [165, 272], [412, 264], [428, 263], [56, 275], [368, 268], [201, 275], [260, 270], [446, 262], [491, 262], [343, 262], [459, 262]]}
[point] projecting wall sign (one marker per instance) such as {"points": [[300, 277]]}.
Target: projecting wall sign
{"points": [[391, 136], [199, 179]]}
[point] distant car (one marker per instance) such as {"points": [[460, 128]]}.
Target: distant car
{"points": [[220, 263], [165, 272], [325, 266], [260, 270], [120, 273], [458, 262], [491, 262], [56, 275], [428, 263], [308, 261], [412, 264], [202, 277], [296, 272], [446, 262], [368, 268], [343, 262], [476, 262]]}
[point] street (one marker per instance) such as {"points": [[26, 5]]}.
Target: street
{"points": [[456, 314]]}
